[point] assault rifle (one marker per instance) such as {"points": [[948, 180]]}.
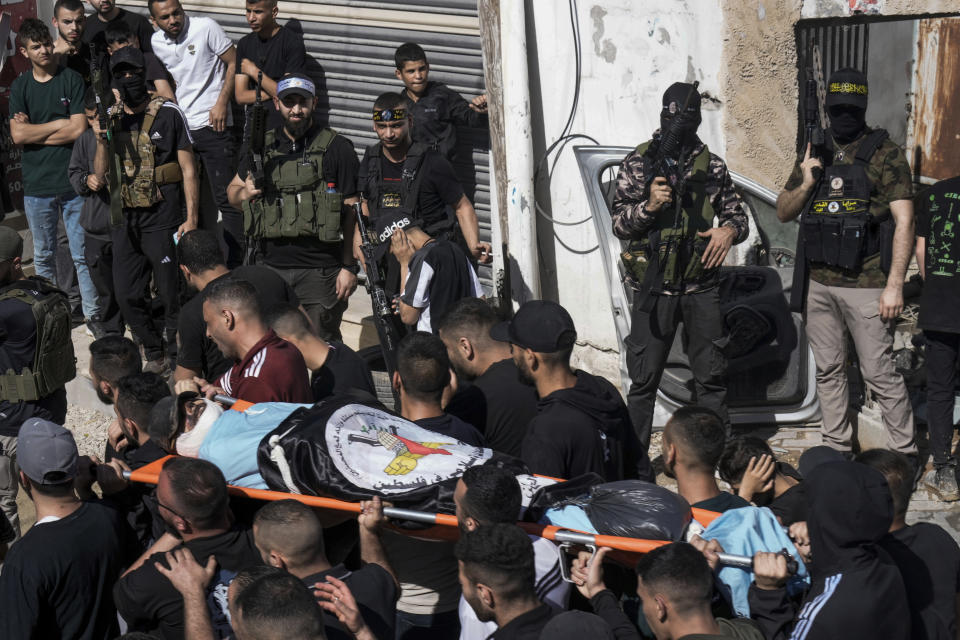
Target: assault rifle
{"points": [[107, 124], [813, 128], [814, 137], [668, 163], [258, 132], [383, 315]]}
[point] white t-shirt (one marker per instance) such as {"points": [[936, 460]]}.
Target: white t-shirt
{"points": [[194, 61], [550, 586]]}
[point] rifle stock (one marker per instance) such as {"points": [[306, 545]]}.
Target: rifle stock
{"points": [[383, 315], [666, 163]]}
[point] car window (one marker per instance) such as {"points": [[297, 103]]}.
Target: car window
{"points": [[776, 234]]}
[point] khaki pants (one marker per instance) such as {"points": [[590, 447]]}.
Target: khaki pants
{"points": [[9, 481], [829, 311]]}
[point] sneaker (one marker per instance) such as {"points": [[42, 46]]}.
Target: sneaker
{"points": [[96, 329], [76, 317], [943, 482], [158, 366]]}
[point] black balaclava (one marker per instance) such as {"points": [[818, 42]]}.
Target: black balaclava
{"points": [[847, 122], [673, 100], [133, 89]]}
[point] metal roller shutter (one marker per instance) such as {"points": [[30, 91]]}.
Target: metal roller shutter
{"points": [[351, 44]]}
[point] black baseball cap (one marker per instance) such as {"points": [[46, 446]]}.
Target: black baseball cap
{"points": [[848, 87], [539, 325], [130, 56], [384, 227]]}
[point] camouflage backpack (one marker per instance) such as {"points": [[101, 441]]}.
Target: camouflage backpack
{"points": [[54, 363]]}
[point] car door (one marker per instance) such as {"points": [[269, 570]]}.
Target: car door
{"points": [[771, 370]]}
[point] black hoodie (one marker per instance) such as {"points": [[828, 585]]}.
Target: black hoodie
{"points": [[581, 430], [857, 591]]}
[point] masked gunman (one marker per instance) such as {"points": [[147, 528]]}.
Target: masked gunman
{"points": [[856, 232], [670, 193]]}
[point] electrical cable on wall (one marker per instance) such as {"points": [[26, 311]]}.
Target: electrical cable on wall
{"points": [[565, 137]]}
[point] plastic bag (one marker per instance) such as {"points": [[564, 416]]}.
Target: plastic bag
{"points": [[638, 509], [628, 508]]}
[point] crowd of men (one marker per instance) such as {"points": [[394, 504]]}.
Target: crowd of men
{"points": [[119, 125]]}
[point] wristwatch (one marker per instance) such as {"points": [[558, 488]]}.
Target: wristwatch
{"points": [[353, 268]]}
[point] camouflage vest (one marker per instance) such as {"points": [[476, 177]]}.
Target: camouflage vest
{"points": [[672, 244], [54, 363], [140, 178], [295, 202]]}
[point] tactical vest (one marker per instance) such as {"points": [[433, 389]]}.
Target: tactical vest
{"points": [[295, 202], [672, 248], [382, 198], [837, 227], [54, 363], [140, 179]]}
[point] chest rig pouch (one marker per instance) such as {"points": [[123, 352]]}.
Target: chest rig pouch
{"points": [[838, 230], [383, 198], [670, 256], [141, 178], [295, 202]]}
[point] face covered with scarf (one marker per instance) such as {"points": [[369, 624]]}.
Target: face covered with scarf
{"points": [[127, 67], [673, 114]]}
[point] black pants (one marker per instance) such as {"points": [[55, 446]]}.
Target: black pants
{"points": [[136, 255], [217, 152], [942, 353], [648, 345], [317, 290], [99, 253]]}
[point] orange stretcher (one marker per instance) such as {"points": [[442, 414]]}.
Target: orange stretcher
{"points": [[443, 526]]}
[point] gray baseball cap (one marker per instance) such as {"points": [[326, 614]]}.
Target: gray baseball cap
{"points": [[46, 452]]}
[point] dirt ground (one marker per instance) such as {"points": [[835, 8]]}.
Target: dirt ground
{"points": [[90, 431]]}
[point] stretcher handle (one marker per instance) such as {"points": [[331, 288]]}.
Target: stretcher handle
{"points": [[746, 562], [569, 538], [224, 399]]}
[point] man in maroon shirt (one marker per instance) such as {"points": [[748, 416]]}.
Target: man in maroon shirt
{"points": [[266, 368]]}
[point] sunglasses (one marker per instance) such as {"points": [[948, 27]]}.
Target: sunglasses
{"points": [[163, 506]]}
